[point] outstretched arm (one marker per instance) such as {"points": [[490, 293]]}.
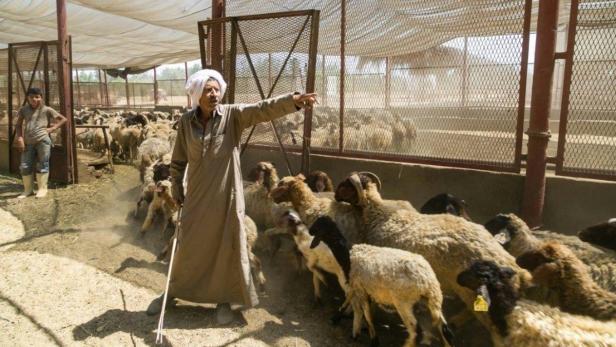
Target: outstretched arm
{"points": [[270, 109]]}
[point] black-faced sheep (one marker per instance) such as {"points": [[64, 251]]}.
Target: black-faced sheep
{"points": [[317, 258], [319, 182], [557, 268], [517, 238], [522, 322], [446, 203], [449, 243], [386, 276], [603, 234]]}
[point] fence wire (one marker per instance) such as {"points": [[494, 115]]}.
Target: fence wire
{"points": [[4, 96], [590, 141]]}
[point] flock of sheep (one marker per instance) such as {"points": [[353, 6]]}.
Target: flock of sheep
{"points": [[527, 287]]}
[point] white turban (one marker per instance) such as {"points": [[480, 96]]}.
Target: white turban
{"points": [[196, 83]]}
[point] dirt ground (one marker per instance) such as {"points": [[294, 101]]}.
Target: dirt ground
{"points": [[74, 271]]}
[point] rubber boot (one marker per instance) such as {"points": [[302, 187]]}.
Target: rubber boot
{"points": [[41, 181], [28, 182]]}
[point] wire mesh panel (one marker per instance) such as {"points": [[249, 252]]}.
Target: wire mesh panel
{"points": [[278, 68], [587, 142], [172, 92], [141, 94]]}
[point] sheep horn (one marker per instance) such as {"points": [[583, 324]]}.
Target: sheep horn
{"points": [[374, 178]]}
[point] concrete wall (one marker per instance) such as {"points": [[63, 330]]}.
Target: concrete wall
{"points": [[571, 204]]}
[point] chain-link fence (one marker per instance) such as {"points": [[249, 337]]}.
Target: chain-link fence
{"points": [[172, 92], [588, 139]]}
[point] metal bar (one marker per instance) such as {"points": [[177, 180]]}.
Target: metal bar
{"points": [[310, 86], [155, 88], [78, 88], [464, 88], [46, 72], [186, 79], [217, 38], [519, 135], [561, 55], [342, 72], [564, 107], [538, 131], [73, 146], [127, 92], [323, 83], [232, 62], [106, 90], [10, 102], [100, 87], [256, 16], [201, 46], [269, 70]]}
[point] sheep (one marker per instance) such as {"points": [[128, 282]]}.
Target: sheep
{"points": [[448, 243], [319, 181], [162, 200], [149, 151], [603, 234], [256, 195], [293, 189], [154, 173], [522, 322], [387, 276], [556, 267], [251, 231], [318, 258], [446, 203], [516, 237]]}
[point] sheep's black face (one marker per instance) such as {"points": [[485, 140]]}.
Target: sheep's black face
{"points": [[161, 172], [345, 192], [501, 228], [319, 181], [603, 234]]}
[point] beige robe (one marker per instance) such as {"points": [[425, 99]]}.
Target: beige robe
{"points": [[211, 261]]}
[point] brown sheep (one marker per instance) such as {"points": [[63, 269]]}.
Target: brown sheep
{"points": [[556, 267]]}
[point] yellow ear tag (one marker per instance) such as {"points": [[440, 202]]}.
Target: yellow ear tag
{"points": [[480, 304]]}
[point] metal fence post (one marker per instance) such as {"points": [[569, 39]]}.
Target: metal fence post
{"points": [[342, 72], [538, 130]]}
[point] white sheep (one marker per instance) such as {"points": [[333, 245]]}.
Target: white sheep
{"points": [[517, 238], [318, 258], [449, 243], [521, 322], [386, 276], [257, 198]]}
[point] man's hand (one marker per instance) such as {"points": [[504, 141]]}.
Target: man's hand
{"points": [[19, 144], [50, 130], [305, 100]]}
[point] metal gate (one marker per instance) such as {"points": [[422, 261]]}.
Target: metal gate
{"points": [[587, 133], [36, 64], [256, 70]]}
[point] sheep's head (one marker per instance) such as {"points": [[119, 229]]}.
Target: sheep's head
{"points": [[163, 187], [319, 181], [290, 219], [603, 234], [547, 263], [505, 227], [161, 171], [264, 173], [283, 191], [446, 203], [325, 229], [351, 190], [495, 285]]}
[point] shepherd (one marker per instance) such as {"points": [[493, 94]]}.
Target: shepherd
{"points": [[211, 262]]}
